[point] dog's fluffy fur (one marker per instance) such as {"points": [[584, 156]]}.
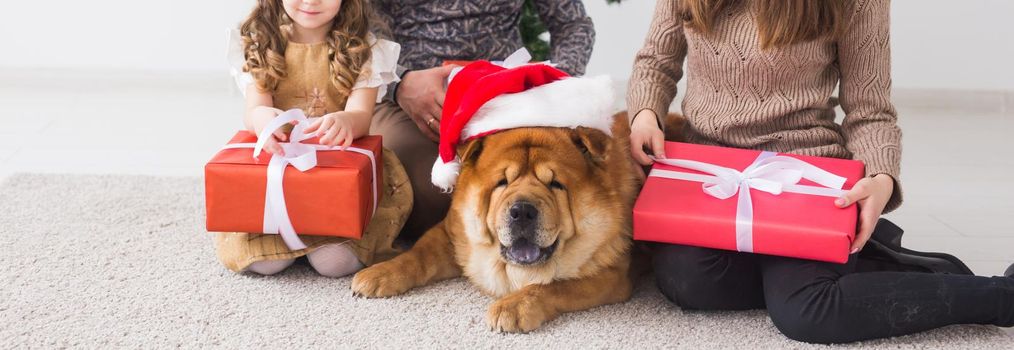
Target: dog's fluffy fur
{"points": [[583, 183]]}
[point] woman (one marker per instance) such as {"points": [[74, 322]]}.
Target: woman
{"points": [[761, 74]]}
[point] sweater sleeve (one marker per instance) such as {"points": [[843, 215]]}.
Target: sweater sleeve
{"points": [[571, 33], [870, 126], [383, 12], [658, 66]]}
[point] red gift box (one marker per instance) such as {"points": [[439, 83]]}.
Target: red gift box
{"points": [[335, 198], [791, 217]]}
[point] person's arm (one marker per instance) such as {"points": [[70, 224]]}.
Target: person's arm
{"points": [[870, 126], [421, 95], [353, 121], [383, 12], [658, 66], [571, 33], [259, 104], [259, 111], [392, 88], [343, 127]]}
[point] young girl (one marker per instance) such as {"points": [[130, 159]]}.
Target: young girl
{"points": [[319, 56], [761, 74]]}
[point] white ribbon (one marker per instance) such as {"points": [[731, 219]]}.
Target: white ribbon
{"points": [[770, 173], [301, 156], [517, 59]]}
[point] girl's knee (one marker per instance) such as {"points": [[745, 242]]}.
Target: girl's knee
{"points": [[334, 260], [269, 267]]}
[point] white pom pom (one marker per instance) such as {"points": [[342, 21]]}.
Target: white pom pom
{"points": [[445, 175]]}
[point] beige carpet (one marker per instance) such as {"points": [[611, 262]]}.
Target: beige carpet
{"points": [[101, 261]]}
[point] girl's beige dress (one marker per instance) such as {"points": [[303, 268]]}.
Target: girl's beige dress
{"points": [[307, 86]]}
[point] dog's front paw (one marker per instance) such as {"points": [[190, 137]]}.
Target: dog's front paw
{"points": [[516, 313], [381, 280]]}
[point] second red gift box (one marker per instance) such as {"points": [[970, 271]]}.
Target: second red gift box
{"points": [[749, 201]]}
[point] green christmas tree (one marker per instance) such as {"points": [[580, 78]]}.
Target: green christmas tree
{"points": [[532, 28]]}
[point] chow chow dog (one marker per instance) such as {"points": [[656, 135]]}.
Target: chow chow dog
{"points": [[540, 219]]}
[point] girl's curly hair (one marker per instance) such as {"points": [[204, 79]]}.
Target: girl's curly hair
{"points": [[266, 34]]}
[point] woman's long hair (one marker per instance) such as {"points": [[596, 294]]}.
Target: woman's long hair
{"points": [[266, 34], [779, 22]]}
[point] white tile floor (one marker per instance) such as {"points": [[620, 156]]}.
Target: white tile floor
{"points": [[957, 166]]}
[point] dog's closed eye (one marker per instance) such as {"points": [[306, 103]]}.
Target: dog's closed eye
{"points": [[501, 183], [556, 185]]}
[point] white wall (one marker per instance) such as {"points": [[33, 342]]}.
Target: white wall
{"points": [[937, 43], [178, 35], [966, 44]]}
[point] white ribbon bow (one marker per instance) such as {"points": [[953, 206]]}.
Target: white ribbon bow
{"points": [[770, 173], [517, 59], [301, 156]]}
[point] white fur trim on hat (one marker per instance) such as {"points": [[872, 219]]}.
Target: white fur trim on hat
{"points": [[567, 103]]}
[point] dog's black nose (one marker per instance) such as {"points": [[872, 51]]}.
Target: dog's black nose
{"points": [[524, 215]]}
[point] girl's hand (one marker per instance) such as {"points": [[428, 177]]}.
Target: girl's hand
{"points": [[333, 129], [260, 117], [645, 133], [872, 194]]}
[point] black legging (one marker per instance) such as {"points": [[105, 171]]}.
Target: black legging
{"points": [[820, 302]]}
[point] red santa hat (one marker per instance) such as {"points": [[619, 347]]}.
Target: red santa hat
{"points": [[484, 98]]}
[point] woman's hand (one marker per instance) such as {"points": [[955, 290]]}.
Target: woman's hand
{"points": [[645, 133], [421, 94], [872, 194], [333, 129]]}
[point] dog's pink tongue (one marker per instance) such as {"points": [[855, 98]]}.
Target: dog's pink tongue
{"points": [[524, 252]]}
